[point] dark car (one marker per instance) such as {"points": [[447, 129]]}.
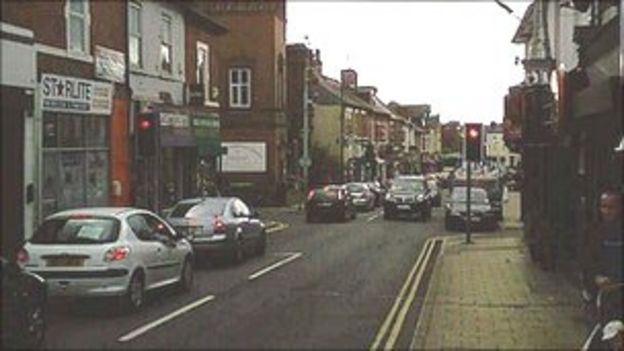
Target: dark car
{"points": [[379, 191], [220, 227], [331, 201], [24, 297], [408, 195], [361, 196], [482, 215], [495, 188]]}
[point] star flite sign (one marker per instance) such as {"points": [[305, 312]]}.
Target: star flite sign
{"points": [[74, 95]]}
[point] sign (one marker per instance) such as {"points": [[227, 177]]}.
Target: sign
{"points": [[110, 64], [305, 162], [74, 95], [245, 157], [175, 120], [206, 128]]}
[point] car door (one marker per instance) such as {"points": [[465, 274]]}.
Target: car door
{"points": [[171, 260], [149, 250]]}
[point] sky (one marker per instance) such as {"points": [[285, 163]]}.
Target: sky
{"points": [[456, 56]]}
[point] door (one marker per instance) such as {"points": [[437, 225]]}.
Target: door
{"points": [[171, 256], [151, 251]]}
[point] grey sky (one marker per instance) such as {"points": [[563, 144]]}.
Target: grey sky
{"points": [[456, 56]]}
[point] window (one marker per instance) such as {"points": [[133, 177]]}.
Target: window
{"points": [[77, 21], [135, 40], [240, 87], [165, 44], [203, 68]]}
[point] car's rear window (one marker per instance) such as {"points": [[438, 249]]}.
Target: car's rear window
{"points": [[356, 187], [182, 209], [77, 230], [325, 194]]}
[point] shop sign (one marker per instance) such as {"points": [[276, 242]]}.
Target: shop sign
{"points": [[206, 128], [245, 157], [110, 64], [74, 95], [174, 120]]}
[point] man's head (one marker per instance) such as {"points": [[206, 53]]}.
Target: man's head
{"points": [[611, 206]]}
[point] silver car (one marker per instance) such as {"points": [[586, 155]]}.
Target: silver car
{"points": [[110, 251], [220, 226]]}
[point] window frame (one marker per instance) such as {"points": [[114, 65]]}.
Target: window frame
{"points": [[139, 35], [86, 17], [166, 18], [207, 78], [238, 85]]}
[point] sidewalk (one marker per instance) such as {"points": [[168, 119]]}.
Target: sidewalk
{"points": [[489, 295]]}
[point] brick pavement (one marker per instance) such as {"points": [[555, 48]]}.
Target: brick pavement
{"points": [[488, 295]]}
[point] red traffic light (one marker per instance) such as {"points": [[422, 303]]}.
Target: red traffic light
{"points": [[473, 133], [145, 124]]}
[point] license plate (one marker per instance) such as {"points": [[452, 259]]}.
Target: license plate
{"points": [[325, 204], [65, 262], [403, 207]]}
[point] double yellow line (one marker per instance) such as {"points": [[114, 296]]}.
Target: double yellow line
{"points": [[393, 323]]}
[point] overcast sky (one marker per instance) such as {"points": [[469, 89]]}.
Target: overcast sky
{"points": [[456, 56]]}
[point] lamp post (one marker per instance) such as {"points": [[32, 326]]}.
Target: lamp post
{"points": [[341, 140]]}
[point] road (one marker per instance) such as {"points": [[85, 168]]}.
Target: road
{"points": [[320, 286]]}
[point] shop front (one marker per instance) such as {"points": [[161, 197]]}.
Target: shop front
{"points": [[75, 143]]}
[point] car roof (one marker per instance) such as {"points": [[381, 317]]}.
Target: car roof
{"points": [[96, 211], [198, 200]]}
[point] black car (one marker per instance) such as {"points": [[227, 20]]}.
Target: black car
{"points": [[331, 201], [482, 215], [24, 297], [408, 195], [223, 227]]}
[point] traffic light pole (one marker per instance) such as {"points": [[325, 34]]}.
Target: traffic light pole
{"points": [[468, 185]]}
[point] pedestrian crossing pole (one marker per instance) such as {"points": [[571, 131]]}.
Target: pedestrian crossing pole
{"points": [[468, 185]]}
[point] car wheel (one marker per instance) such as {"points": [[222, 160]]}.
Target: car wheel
{"points": [[261, 248], [186, 277], [135, 295], [36, 326]]}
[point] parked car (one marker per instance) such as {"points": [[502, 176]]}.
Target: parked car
{"points": [[331, 201], [495, 188], [361, 196], [117, 252], [482, 215], [220, 227], [379, 191], [24, 297], [408, 195]]}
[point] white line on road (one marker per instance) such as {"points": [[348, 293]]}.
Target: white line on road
{"points": [[374, 217], [276, 265], [142, 330], [277, 228]]}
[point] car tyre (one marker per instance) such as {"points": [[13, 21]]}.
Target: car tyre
{"points": [[135, 295], [186, 277], [261, 248]]}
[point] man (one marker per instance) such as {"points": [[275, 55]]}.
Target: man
{"points": [[603, 248]]}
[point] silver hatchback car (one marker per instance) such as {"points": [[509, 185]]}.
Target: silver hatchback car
{"points": [[91, 252]]}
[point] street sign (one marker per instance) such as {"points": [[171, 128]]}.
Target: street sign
{"points": [[305, 162]]}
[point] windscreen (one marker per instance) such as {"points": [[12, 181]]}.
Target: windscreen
{"points": [[407, 185], [356, 188], [92, 230], [477, 195]]}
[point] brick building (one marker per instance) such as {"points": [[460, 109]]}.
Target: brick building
{"points": [[252, 95]]}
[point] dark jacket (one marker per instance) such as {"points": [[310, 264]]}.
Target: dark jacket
{"points": [[601, 253]]}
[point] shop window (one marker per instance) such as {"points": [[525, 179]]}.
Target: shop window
{"points": [[50, 133], [70, 131], [71, 179], [95, 131], [77, 20], [51, 182], [96, 180]]}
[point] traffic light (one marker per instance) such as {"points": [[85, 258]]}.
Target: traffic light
{"points": [[473, 141], [147, 134]]}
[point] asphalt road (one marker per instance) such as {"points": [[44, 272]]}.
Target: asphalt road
{"points": [[333, 287]]}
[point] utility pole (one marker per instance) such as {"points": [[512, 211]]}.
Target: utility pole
{"points": [[342, 110]]}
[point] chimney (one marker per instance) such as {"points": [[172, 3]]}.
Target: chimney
{"points": [[348, 77], [317, 63]]}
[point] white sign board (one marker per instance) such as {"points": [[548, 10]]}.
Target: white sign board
{"points": [[110, 64], [245, 157], [74, 95]]}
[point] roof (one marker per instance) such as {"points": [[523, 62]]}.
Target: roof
{"points": [[94, 211], [208, 23], [525, 29], [329, 93]]}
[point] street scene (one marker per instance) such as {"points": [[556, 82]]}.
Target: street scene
{"points": [[312, 175]]}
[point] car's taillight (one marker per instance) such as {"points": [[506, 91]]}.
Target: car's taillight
{"points": [[310, 194], [22, 257], [218, 226], [116, 254]]}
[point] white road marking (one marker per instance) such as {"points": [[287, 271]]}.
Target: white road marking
{"points": [[276, 265], [277, 228], [144, 329], [374, 217]]}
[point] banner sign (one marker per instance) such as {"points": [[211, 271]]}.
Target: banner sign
{"points": [[110, 64], [245, 157], [74, 95]]}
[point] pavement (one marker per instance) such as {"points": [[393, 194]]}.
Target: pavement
{"points": [[488, 295]]}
